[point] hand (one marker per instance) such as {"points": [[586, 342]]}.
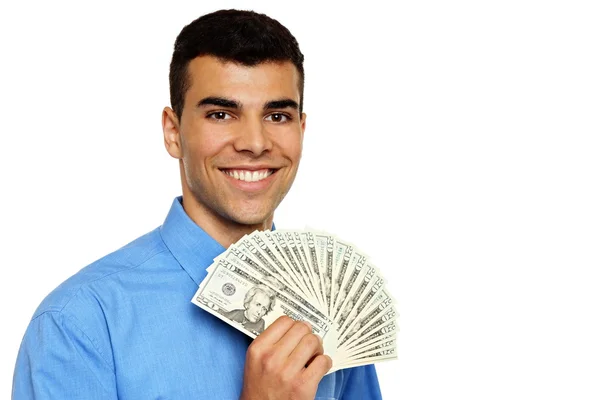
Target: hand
{"points": [[286, 361]]}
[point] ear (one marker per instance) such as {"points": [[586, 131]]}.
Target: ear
{"points": [[172, 138], [303, 123]]}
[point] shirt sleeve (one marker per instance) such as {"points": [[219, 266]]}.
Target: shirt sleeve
{"points": [[57, 360], [362, 384]]}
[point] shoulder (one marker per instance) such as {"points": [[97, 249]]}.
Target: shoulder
{"points": [[102, 273], [75, 321]]}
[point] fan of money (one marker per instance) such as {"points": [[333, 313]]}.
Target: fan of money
{"points": [[310, 276]]}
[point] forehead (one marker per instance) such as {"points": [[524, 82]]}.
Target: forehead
{"points": [[250, 85], [260, 297]]}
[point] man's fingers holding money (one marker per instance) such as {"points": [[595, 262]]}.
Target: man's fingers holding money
{"points": [[285, 361], [288, 343], [273, 333], [316, 369], [307, 348]]}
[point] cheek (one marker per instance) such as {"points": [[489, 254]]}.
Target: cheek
{"points": [[298, 150], [292, 148], [203, 145]]}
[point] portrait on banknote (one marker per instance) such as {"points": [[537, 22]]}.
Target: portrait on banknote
{"points": [[258, 302]]}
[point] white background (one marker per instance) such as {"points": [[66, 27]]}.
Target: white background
{"points": [[457, 143]]}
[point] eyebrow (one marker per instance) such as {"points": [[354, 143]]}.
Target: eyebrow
{"points": [[284, 103], [219, 101], [228, 103]]}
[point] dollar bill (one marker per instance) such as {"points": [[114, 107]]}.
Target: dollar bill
{"points": [[371, 349], [308, 243], [357, 269], [359, 300], [258, 271], [386, 331], [255, 257], [380, 355], [276, 249], [324, 244], [311, 276], [270, 256], [342, 254], [364, 346], [373, 320], [248, 303], [295, 241], [291, 255]]}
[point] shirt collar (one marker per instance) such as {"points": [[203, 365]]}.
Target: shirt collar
{"points": [[191, 246]]}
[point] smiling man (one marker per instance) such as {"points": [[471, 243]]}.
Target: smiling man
{"points": [[239, 143], [124, 327]]}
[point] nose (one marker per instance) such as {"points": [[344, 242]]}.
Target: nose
{"points": [[253, 137]]}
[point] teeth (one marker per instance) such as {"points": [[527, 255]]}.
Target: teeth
{"points": [[249, 176]]}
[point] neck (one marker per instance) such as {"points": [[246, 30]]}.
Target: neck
{"points": [[224, 231]]}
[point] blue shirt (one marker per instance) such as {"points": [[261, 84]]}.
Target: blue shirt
{"points": [[124, 328]]}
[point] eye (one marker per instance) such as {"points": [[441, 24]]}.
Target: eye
{"points": [[278, 117], [219, 115]]}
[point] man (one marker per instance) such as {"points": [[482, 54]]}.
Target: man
{"points": [[258, 301], [124, 326]]}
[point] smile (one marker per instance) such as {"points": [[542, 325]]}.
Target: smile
{"points": [[247, 175]]}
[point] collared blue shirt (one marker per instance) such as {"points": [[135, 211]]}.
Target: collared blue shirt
{"points": [[124, 328]]}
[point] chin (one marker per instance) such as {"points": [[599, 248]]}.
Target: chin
{"points": [[251, 217], [250, 221]]}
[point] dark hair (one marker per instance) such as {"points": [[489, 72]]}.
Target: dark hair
{"points": [[245, 37]]}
